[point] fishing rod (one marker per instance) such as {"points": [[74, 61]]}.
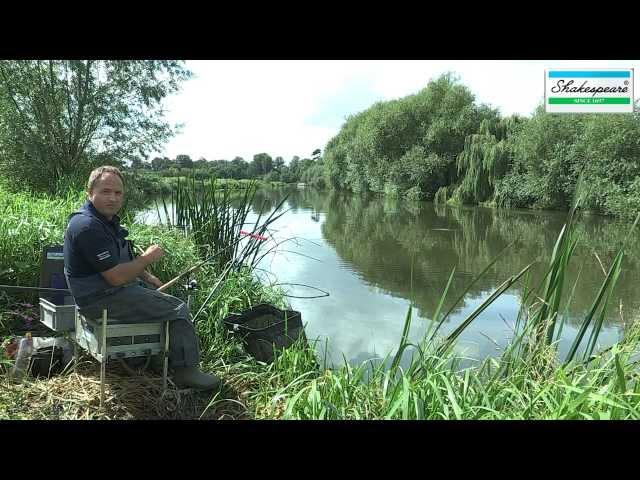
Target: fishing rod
{"points": [[27, 289], [189, 270]]}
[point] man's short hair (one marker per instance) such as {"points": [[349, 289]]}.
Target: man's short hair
{"points": [[98, 172]]}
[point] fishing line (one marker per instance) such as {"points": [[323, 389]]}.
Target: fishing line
{"points": [[220, 279], [265, 271], [325, 294]]}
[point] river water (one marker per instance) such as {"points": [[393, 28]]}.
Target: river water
{"points": [[377, 256]]}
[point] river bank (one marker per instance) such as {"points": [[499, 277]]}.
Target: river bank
{"points": [[526, 381]]}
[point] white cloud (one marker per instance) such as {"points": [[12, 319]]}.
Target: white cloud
{"points": [[288, 108]]}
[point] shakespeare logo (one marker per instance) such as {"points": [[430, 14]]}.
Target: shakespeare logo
{"points": [[589, 91]]}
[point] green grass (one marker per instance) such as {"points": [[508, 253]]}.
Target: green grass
{"points": [[531, 388], [27, 224]]}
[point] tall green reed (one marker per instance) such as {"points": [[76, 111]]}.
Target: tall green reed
{"points": [[215, 215]]}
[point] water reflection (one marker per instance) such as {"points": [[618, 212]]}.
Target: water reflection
{"points": [[377, 255]]}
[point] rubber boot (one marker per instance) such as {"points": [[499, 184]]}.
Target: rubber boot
{"points": [[192, 377]]}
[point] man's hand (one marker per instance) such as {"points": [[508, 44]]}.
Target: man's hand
{"points": [[129, 271], [153, 253], [152, 280]]}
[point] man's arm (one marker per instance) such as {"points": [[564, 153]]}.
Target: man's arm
{"points": [[101, 252], [127, 272]]}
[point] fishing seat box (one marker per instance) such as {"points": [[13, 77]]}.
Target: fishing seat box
{"points": [[124, 340]]}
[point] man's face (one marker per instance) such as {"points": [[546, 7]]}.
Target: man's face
{"points": [[107, 194]]}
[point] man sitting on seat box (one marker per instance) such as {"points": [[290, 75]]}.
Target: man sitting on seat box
{"points": [[101, 273]]}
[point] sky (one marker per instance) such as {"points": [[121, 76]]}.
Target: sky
{"points": [[240, 108]]}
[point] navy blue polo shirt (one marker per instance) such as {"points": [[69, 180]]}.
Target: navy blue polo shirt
{"points": [[92, 244]]}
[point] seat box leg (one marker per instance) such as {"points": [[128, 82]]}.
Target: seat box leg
{"points": [[166, 357], [103, 361]]}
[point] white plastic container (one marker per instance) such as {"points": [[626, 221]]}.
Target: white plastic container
{"points": [[23, 356], [60, 318]]}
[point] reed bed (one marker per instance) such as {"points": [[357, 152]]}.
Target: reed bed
{"points": [[215, 216]]}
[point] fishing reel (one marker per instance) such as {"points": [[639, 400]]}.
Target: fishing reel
{"points": [[191, 285]]}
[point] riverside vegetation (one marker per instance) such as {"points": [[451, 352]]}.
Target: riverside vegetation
{"points": [[527, 381], [440, 144]]}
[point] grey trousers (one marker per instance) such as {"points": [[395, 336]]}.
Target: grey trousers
{"points": [[138, 304]]}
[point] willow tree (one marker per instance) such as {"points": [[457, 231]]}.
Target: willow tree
{"points": [[409, 144], [484, 160], [58, 116]]}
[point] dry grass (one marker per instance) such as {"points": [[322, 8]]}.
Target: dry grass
{"points": [[76, 396]]}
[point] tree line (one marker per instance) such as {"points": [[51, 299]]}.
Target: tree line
{"points": [[440, 144], [262, 166], [61, 118]]}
